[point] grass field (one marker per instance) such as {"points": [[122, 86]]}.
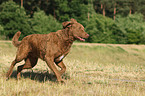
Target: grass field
{"points": [[92, 70]]}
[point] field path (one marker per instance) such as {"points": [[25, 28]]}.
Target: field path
{"points": [[100, 44]]}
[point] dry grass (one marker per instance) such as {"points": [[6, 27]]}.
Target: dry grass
{"points": [[92, 70]]}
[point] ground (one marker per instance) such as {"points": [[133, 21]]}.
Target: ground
{"points": [[92, 70]]}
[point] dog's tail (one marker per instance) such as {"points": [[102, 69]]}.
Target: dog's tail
{"points": [[15, 39]]}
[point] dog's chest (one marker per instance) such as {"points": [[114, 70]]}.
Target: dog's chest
{"points": [[59, 58]]}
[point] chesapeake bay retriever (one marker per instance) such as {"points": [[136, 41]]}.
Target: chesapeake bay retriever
{"points": [[51, 48]]}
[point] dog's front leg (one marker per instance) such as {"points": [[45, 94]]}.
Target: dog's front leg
{"points": [[50, 63], [62, 66]]}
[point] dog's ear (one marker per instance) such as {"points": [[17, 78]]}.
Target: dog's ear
{"points": [[66, 24], [73, 20]]}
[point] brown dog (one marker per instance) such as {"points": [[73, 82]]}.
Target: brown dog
{"points": [[51, 48]]}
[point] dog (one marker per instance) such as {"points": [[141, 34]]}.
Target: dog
{"points": [[52, 48]]}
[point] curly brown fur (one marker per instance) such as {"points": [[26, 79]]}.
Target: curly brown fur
{"points": [[15, 39], [51, 48]]}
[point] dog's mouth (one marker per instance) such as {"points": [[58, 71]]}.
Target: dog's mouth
{"points": [[81, 39]]}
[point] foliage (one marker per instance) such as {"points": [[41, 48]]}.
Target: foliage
{"points": [[62, 10], [79, 10], [134, 28], [13, 19], [130, 29], [43, 24], [123, 7], [1, 30], [104, 30], [2, 36], [44, 16]]}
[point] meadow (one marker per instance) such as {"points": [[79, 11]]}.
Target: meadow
{"points": [[92, 70]]}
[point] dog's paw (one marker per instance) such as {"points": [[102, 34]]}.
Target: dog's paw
{"points": [[61, 82], [7, 78]]}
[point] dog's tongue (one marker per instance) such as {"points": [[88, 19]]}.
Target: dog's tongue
{"points": [[81, 39]]}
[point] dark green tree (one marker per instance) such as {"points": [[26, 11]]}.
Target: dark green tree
{"points": [[1, 30], [133, 26], [13, 18], [123, 7], [79, 10], [104, 30], [43, 24]]}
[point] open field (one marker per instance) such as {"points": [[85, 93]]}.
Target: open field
{"points": [[92, 70]]}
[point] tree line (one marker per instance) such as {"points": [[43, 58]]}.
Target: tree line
{"points": [[107, 21]]}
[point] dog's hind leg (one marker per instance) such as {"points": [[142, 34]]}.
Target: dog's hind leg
{"points": [[21, 54], [11, 68], [9, 73], [30, 62]]}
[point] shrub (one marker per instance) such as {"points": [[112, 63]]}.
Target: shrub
{"points": [[134, 28], [13, 19], [1, 30], [43, 24], [104, 30]]}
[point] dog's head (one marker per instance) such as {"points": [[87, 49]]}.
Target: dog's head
{"points": [[76, 30]]}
